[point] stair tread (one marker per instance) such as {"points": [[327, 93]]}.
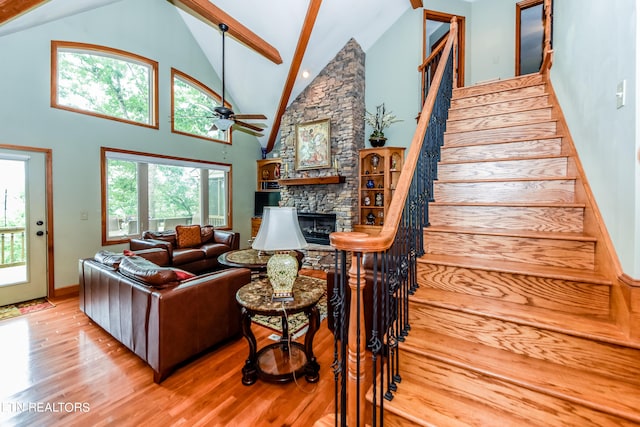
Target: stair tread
{"points": [[523, 82], [505, 159], [589, 327], [549, 178], [430, 406], [505, 126], [580, 386], [512, 204], [555, 235], [578, 275]]}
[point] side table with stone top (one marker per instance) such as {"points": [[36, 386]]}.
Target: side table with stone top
{"points": [[284, 360]]}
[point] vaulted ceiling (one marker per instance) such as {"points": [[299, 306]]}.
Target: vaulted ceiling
{"points": [[270, 44]]}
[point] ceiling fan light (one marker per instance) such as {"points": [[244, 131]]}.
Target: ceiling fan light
{"points": [[223, 124]]}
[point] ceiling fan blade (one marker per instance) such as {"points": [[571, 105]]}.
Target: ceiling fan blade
{"points": [[247, 131], [250, 116], [249, 126]]}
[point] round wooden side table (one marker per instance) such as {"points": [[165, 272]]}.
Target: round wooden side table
{"points": [[284, 360]]}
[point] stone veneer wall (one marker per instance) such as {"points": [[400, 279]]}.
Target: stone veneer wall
{"points": [[337, 93]]}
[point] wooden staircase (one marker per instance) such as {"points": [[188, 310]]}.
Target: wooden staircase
{"points": [[514, 322]]}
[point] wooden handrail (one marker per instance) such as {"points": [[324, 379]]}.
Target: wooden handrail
{"points": [[433, 54], [547, 55], [359, 242]]}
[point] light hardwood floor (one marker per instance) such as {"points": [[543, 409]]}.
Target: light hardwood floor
{"points": [[56, 359]]}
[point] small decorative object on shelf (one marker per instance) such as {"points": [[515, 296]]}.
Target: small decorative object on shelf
{"points": [[367, 201], [276, 171], [375, 160], [371, 219], [379, 199], [370, 183], [379, 122]]}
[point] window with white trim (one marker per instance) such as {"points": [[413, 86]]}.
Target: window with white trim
{"points": [[147, 192]]}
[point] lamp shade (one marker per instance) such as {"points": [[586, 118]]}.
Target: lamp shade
{"points": [[279, 230]]}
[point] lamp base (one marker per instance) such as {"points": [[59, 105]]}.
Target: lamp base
{"points": [[282, 270]]}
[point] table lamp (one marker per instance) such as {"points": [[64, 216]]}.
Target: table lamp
{"points": [[280, 233]]}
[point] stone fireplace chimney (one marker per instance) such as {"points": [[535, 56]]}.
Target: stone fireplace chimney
{"points": [[337, 94]]}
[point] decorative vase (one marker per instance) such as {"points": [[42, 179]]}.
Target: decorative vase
{"points": [[370, 183], [375, 160], [377, 141]]}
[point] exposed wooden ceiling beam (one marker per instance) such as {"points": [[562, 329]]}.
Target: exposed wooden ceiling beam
{"points": [[303, 41], [9, 9], [416, 4], [212, 14]]}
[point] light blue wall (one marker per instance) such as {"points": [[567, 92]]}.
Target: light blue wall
{"points": [[26, 118], [595, 49]]}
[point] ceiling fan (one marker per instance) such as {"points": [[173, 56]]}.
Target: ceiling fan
{"points": [[225, 117]]}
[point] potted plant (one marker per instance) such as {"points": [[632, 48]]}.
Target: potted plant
{"points": [[379, 121]]}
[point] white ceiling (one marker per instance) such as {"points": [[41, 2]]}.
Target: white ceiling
{"points": [[254, 83]]}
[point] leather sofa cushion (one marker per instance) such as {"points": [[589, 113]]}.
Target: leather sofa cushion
{"points": [[138, 268], [213, 250], [188, 236], [167, 236], [185, 256]]}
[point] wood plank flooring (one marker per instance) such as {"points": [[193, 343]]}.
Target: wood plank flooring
{"points": [[60, 369]]}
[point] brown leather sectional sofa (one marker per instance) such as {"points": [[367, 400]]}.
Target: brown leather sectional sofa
{"points": [[164, 320], [197, 257]]}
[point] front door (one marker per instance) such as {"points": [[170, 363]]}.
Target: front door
{"points": [[23, 226]]}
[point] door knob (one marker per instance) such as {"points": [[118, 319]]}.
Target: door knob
{"points": [[40, 222], [40, 233]]}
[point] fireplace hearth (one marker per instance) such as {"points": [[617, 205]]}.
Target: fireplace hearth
{"points": [[316, 227]]}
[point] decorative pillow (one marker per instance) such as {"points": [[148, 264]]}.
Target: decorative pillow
{"points": [[188, 236], [206, 233], [183, 274], [128, 252]]}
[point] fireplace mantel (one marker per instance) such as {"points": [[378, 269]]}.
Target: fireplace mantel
{"points": [[319, 180]]}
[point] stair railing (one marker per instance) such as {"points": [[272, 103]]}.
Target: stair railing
{"points": [[547, 49], [387, 263]]}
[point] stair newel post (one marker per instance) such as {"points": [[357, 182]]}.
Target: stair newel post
{"points": [[454, 30], [356, 343]]}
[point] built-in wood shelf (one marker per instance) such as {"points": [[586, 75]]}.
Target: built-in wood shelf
{"points": [[334, 179]]}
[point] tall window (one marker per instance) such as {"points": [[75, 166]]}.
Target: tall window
{"points": [[148, 192], [193, 106], [104, 82], [529, 36]]}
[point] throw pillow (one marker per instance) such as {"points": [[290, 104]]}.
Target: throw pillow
{"points": [[188, 236], [206, 233], [183, 274]]}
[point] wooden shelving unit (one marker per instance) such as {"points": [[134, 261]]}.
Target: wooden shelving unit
{"points": [[268, 174], [379, 173]]}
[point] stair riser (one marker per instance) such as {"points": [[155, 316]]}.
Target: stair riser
{"points": [[531, 131], [560, 295], [565, 350], [506, 150], [498, 86], [549, 252], [498, 121], [499, 108], [553, 219], [496, 97], [538, 408], [529, 168], [550, 191]]}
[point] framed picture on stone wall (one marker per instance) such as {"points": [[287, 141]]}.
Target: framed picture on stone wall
{"points": [[313, 145]]}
